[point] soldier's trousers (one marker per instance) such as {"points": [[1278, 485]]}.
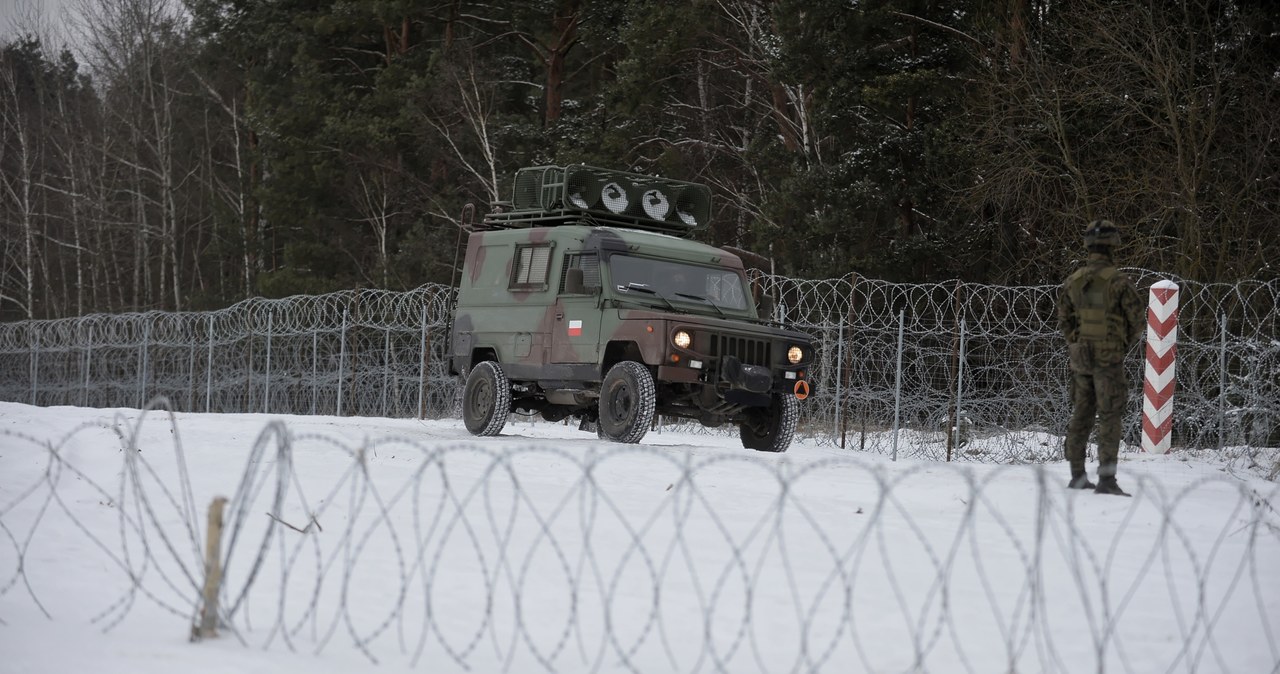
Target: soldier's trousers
{"points": [[1102, 392]]}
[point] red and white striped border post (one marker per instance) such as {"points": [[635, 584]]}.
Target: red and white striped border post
{"points": [[1158, 377]]}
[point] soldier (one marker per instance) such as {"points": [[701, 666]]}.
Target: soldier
{"points": [[679, 283], [1100, 314]]}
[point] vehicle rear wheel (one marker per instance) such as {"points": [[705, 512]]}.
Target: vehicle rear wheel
{"points": [[770, 429], [627, 402], [486, 399]]}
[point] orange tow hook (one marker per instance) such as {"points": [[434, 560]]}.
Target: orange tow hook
{"points": [[802, 390]]}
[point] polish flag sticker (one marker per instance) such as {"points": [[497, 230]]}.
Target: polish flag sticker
{"points": [[575, 328]]}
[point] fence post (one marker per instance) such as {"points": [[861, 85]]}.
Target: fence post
{"points": [[212, 571], [34, 363], [953, 409], [1222, 384], [835, 428], [1159, 374], [191, 377], [959, 390], [250, 335], [342, 359], [208, 373], [266, 393], [142, 371], [845, 367], [315, 383], [422, 367], [386, 367], [88, 364], [897, 393]]}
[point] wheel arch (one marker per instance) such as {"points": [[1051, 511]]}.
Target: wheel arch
{"points": [[482, 353], [617, 351]]}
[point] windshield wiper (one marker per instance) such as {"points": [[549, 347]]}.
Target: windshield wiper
{"points": [[646, 289], [700, 298]]}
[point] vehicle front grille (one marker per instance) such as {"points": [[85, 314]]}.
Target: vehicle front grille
{"points": [[747, 350]]}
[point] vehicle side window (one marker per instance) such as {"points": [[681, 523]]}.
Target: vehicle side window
{"points": [[530, 269], [589, 263]]}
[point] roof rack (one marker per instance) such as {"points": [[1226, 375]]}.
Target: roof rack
{"points": [[552, 196]]}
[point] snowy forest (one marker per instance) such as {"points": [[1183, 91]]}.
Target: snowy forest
{"points": [[185, 155]]}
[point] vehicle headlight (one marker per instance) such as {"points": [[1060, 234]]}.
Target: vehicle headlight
{"points": [[795, 354], [681, 339]]}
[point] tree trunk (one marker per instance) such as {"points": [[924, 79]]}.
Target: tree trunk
{"points": [[564, 28]]}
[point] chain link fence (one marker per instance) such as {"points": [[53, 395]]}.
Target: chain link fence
{"points": [[952, 362]]}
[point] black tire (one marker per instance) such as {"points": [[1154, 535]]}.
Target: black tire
{"points": [[627, 402], [770, 429], [486, 399]]}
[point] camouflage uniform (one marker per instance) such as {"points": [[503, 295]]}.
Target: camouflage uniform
{"points": [[1101, 316]]}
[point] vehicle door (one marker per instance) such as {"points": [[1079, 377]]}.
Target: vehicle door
{"points": [[575, 335]]}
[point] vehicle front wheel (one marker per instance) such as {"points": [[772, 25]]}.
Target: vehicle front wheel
{"points": [[486, 399], [627, 402], [770, 429]]}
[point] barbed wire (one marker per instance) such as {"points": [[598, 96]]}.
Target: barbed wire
{"points": [[978, 361], [515, 555]]}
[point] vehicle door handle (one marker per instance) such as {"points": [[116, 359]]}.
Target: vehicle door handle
{"points": [[559, 315]]}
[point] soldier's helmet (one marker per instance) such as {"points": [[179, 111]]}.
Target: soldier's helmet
{"points": [[1101, 234]]}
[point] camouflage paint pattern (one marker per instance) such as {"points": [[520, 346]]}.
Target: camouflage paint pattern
{"points": [[541, 334]]}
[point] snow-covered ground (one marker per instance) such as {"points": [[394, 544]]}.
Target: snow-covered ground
{"points": [[413, 545]]}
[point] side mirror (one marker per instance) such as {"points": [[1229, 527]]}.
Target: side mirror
{"points": [[573, 282]]}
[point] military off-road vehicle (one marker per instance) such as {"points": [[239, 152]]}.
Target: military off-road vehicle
{"points": [[580, 298]]}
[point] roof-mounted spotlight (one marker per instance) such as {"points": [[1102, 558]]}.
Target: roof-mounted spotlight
{"points": [[693, 205], [614, 197], [583, 190], [546, 196], [655, 204]]}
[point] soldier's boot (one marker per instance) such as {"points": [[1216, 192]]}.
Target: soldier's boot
{"points": [[1108, 485], [1080, 480]]}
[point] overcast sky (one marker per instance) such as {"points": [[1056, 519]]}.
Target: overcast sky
{"points": [[49, 14]]}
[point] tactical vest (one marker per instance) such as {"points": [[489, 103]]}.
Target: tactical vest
{"points": [[1091, 293]]}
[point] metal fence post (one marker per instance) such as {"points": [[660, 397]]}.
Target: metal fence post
{"points": [[266, 393], [88, 364], [142, 371], [315, 383], [342, 359], [844, 368], [1222, 384], [208, 373], [422, 366], [959, 387], [191, 377], [897, 393], [386, 368], [34, 361], [835, 424], [247, 404]]}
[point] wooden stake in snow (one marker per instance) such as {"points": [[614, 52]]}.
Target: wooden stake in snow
{"points": [[212, 571]]}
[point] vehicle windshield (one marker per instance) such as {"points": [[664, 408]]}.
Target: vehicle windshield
{"points": [[678, 281]]}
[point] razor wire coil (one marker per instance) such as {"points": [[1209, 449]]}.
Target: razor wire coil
{"points": [[515, 555], [384, 353]]}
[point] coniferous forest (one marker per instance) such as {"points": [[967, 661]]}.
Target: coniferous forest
{"points": [[182, 155]]}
